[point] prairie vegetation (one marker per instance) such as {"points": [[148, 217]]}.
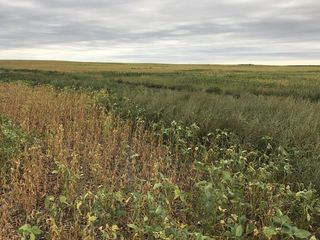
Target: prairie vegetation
{"points": [[173, 154], [252, 101]]}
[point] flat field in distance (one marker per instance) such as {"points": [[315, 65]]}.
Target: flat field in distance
{"points": [[65, 66], [252, 101], [155, 151]]}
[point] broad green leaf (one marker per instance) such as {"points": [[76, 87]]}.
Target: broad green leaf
{"points": [[133, 226], [32, 236], [303, 234], [36, 230], [24, 228], [269, 231], [239, 231]]}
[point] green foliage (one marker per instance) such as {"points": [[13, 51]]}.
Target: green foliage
{"points": [[11, 142], [237, 194], [29, 232], [11, 138]]}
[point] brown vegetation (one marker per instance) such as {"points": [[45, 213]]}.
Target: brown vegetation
{"points": [[74, 135]]}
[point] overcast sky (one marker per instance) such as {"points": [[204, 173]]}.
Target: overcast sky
{"points": [[172, 31]]}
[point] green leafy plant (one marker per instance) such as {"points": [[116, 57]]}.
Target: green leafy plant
{"points": [[29, 232]]}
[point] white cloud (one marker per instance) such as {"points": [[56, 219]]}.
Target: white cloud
{"points": [[206, 31]]}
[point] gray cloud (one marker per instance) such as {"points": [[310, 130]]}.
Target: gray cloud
{"points": [[206, 31]]}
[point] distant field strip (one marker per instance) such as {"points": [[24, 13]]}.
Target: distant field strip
{"points": [[280, 103], [296, 84]]}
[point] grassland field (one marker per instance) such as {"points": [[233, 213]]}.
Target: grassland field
{"points": [[154, 151], [253, 101]]}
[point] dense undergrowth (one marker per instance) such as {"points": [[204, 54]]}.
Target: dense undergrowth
{"points": [[74, 170]]}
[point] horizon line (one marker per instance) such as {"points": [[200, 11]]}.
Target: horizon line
{"points": [[163, 63]]}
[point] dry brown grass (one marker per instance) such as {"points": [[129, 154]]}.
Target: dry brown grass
{"points": [[75, 136]]}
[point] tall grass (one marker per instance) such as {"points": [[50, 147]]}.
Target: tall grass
{"points": [[292, 122], [283, 105]]}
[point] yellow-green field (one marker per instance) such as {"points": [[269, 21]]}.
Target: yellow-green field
{"points": [[141, 67]]}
